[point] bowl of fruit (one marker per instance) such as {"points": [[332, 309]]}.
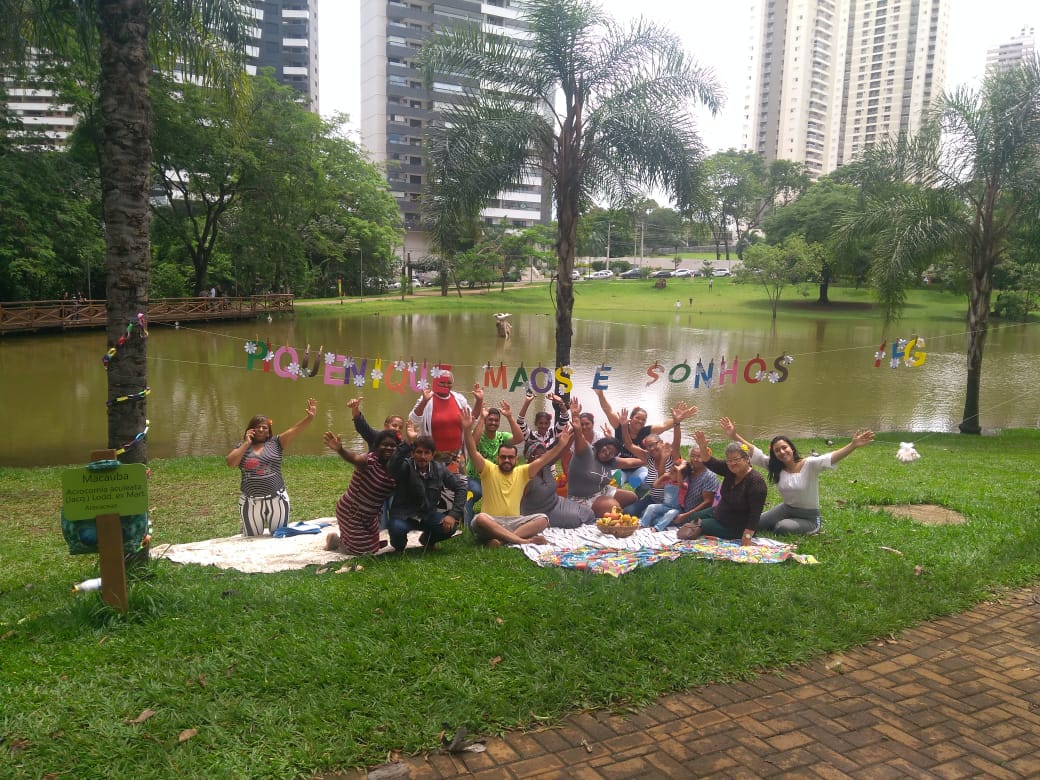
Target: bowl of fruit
{"points": [[617, 523]]}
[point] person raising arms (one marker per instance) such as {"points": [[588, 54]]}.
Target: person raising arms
{"points": [[797, 479], [263, 499], [743, 494], [500, 522]]}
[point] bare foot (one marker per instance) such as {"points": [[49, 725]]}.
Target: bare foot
{"points": [[332, 542], [494, 543], [536, 539]]}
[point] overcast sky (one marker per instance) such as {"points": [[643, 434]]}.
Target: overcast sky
{"points": [[714, 31]]}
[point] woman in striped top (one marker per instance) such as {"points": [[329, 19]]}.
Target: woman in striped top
{"points": [[357, 512], [264, 501]]}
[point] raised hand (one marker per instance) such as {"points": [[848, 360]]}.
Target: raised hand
{"points": [[332, 441], [411, 433], [728, 427], [702, 443], [467, 418], [575, 407], [354, 404], [862, 438], [312, 407], [505, 408], [607, 431], [478, 391], [249, 436], [681, 411]]}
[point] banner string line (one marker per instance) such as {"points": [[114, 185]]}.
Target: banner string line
{"points": [[873, 345], [756, 432]]}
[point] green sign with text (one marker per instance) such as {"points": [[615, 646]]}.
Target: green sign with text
{"points": [[122, 490]]}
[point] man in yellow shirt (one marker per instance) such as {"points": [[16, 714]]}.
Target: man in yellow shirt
{"points": [[503, 482]]}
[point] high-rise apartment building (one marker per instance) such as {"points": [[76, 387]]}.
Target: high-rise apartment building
{"points": [[396, 109], [283, 36], [1021, 48], [831, 77]]}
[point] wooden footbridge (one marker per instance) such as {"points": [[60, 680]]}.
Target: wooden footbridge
{"points": [[29, 316]]}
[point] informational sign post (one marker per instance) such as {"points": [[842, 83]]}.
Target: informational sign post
{"points": [[104, 495], [122, 490]]}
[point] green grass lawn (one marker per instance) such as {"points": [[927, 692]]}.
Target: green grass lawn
{"points": [[283, 675]]}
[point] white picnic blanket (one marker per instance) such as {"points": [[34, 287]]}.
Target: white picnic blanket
{"points": [[256, 554]]}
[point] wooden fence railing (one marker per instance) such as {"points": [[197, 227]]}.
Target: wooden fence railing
{"points": [[23, 316]]}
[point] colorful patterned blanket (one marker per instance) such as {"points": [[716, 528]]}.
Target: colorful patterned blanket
{"points": [[587, 549]]}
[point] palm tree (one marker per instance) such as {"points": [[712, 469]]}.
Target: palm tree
{"points": [[122, 41], [960, 189], [594, 107]]}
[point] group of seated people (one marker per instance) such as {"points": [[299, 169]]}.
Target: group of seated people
{"points": [[437, 464]]}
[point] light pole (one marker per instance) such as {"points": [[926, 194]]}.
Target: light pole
{"points": [[361, 252]]}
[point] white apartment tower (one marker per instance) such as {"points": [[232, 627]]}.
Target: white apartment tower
{"points": [[396, 109], [831, 77], [1021, 48]]}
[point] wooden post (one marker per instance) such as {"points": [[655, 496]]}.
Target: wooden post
{"points": [[110, 551]]}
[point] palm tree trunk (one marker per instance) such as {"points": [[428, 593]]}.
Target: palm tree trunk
{"points": [[126, 115], [566, 238], [978, 326]]}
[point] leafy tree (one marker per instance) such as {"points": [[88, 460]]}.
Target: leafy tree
{"points": [[778, 267], [620, 122], [198, 163], [50, 230], [967, 177], [122, 41], [816, 217]]}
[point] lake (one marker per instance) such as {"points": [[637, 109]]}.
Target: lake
{"points": [[52, 387]]}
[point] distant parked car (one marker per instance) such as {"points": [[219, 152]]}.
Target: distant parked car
{"points": [[721, 272], [631, 273], [662, 274], [575, 274], [682, 273], [604, 274]]}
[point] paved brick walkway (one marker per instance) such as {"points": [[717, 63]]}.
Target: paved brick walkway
{"points": [[957, 697]]}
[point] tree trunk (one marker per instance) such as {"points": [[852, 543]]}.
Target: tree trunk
{"points": [[978, 326], [566, 237], [125, 165]]}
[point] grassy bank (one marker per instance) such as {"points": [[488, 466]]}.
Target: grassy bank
{"points": [[640, 301], [286, 674]]}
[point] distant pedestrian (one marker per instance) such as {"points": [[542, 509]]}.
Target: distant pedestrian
{"points": [[711, 282], [678, 305]]}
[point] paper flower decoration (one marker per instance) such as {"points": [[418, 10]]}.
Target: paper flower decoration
{"points": [[330, 358], [348, 362], [787, 360], [359, 380], [774, 377], [377, 374], [412, 366], [879, 355], [398, 365], [269, 357], [423, 384], [907, 453], [294, 368], [760, 375], [252, 348], [436, 371]]}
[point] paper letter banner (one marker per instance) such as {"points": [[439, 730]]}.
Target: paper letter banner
{"points": [[397, 376]]}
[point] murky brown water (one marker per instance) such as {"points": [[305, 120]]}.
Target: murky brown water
{"points": [[52, 387]]}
